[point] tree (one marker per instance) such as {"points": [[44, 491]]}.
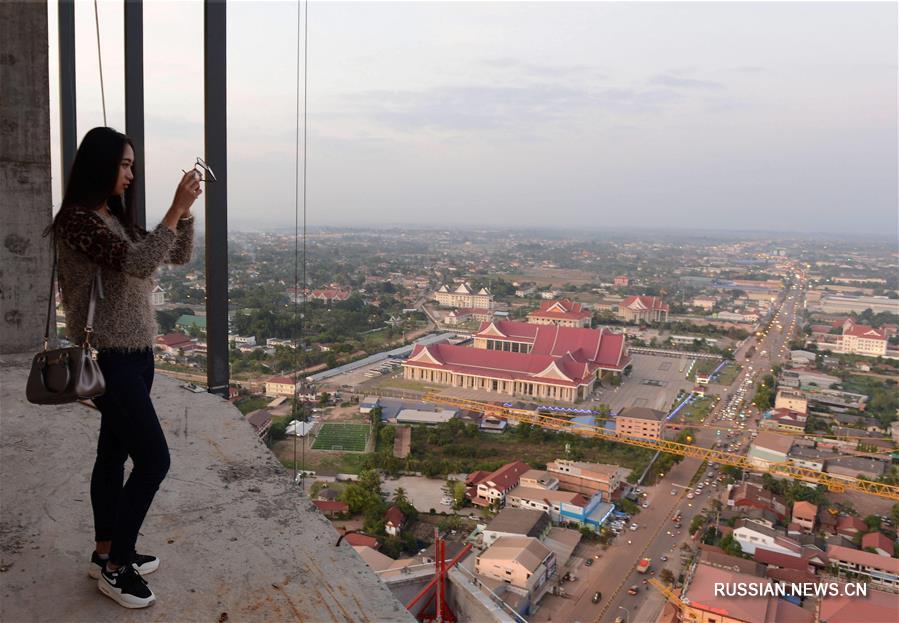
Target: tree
{"points": [[324, 398], [731, 545], [399, 496], [873, 522], [894, 513], [697, 523], [666, 576]]}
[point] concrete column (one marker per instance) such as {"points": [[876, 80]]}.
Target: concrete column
{"points": [[25, 198]]}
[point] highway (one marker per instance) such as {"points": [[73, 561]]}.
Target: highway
{"points": [[653, 539]]}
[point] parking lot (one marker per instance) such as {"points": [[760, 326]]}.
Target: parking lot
{"points": [[653, 383], [423, 493]]}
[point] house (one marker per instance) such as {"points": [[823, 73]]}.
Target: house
{"points": [[879, 570], [804, 514], [769, 447], [647, 309], [361, 540], [539, 479], [704, 603], [849, 526], [468, 314], [621, 280], [772, 559], [174, 343], [562, 506], [640, 422], [521, 562], [749, 495], [588, 478], [329, 295], [879, 542], [394, 520], [492, 488], [157, 296], [853, 466], [802, 358], [565, 313], [516, 522], [791, 400], [331, 508], [784, 420], [368, 403], [281, 386], [261, 421], [751, 535]]}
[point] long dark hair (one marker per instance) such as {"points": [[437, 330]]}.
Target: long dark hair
{"points": [[94, 175]]}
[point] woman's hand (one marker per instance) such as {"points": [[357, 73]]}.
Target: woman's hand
{"points": [[187, 192]]}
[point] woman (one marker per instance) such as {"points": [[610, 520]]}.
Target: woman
{"points": [[95, 230]]}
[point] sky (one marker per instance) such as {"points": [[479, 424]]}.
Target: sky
{"points": [[710, 115]]}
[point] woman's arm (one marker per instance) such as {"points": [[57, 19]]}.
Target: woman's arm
{"points": [[84, 231], [184, 242]]}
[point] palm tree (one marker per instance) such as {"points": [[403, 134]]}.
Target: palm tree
{"points": [[399, 496]]}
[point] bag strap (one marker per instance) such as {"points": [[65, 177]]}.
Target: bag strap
{"points": [[96, 293], [50, 299]]}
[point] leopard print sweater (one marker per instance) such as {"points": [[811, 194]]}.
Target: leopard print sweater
{"points": [[124, 318]]}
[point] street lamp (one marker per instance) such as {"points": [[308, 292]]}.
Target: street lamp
{"points": [[627, 614]]}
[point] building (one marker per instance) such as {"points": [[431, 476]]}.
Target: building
{"points": [[464, 297], [802, 358], [879, 570], [706, 303], [430, 418], [516, 522], [791, 400], [747, 495], [157, 296], [769, 447], [487, 489], [621, 281], [562, 506], [784, 420], [841, 304], [539, 479], [517, 358], [588, 478], [174, 343], [468, 314], [804, 514], [879, 542], [751, 535], [564, 313], [330, 508], [854, 466], [877, 606], [329, 295], [281, 386], [647, 309], [803, 377], [809, 458], [523, 563], [261, 421], [702, 604], [640, 422], [394, 520], [861, 339], [848, 526]]}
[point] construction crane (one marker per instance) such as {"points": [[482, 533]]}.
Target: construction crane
{"points": [[669, 593], [833, 482]]}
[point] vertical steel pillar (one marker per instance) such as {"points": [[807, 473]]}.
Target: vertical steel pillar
{"points": [[134, 102], [215, 93], [67, 120]]}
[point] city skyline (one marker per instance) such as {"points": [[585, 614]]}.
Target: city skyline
{"points": [[717, 116]]}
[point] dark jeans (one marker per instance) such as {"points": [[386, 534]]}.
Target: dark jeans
{"points": [[128, 427]]}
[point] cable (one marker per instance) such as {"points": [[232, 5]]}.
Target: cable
{"points": [[100, 61], [299, 358]]}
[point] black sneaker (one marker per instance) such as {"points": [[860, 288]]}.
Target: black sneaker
{"points": [[143, 563], [126, 587]]}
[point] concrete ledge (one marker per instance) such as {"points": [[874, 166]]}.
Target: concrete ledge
{"points": [[236, 540]]}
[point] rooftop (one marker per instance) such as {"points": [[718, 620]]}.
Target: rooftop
{"points": [[221, 522], [642, 413]]}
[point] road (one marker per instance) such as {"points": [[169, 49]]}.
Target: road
{"points": [[615, 571]]}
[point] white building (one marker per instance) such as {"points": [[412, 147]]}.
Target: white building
{"points": [[157, 295], [751, 535], [464, 297]]}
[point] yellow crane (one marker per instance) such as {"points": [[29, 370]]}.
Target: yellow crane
{"points": [[831, 481]]}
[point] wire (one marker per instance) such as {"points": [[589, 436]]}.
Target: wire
{"points": [[100, 60], [299, 357]]}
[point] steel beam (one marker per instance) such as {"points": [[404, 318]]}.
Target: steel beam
{"points": [[67, 110], [134, 102], [215, 111]]}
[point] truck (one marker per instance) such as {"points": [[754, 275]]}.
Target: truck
{"points": [[643, 565]]}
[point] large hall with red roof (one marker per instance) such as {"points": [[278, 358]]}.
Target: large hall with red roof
{"points": [[521, 359]]}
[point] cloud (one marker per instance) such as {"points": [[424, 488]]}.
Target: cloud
{"points": [[535, 70], [669, 80]]}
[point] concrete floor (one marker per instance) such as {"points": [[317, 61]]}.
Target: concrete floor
{"points": [[236, 540]]}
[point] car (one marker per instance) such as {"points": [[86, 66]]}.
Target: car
{"points": [[674, 492], [663, 558], [446, 502], [618, 619], [634, 527], [690, 496], [596, 597], [588, 562], [697, 492], [645, 504], [633, 590]]}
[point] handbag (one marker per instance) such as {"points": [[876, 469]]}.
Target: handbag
{"points": [[64, 375]]}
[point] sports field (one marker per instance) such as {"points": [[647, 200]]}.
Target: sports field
{"points": [[348, 437]]}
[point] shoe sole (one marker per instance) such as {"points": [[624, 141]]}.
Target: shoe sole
{"points": [[93, 571], [120, 599]]}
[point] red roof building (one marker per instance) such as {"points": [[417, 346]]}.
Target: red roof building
{"points": [[492, 488], [329, 294], [565, 313], [861, 339], [643, 309], [394, 520], [849, 526], [750, 495], [879, 542], [508, 357], [621, 280], [331, 508], [361, 540]]}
